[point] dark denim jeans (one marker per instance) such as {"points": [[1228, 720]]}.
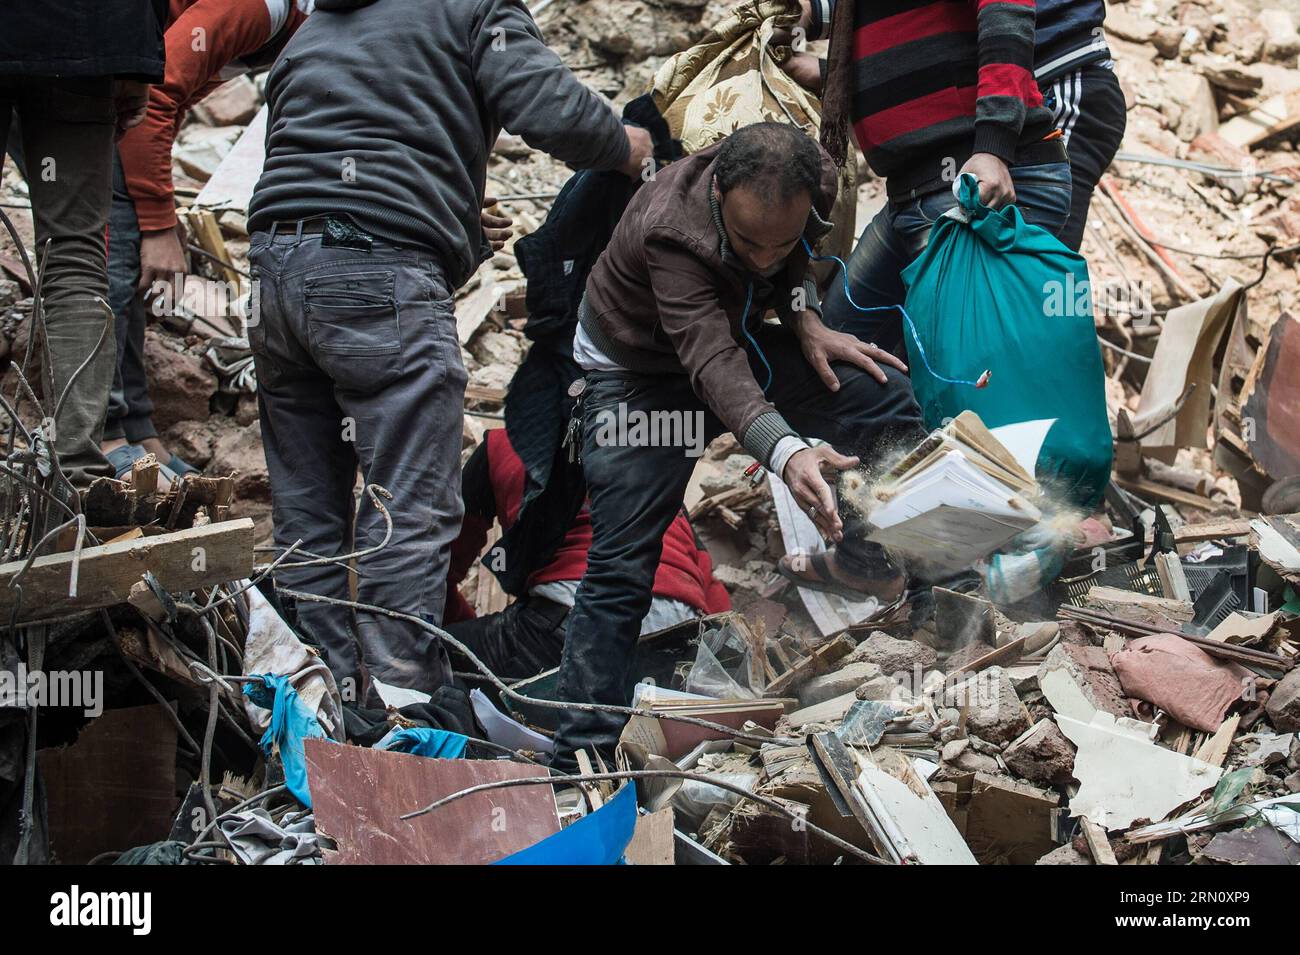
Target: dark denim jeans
{"points": [[899, 233], [130, 409], [635, 491], [358, 363]]}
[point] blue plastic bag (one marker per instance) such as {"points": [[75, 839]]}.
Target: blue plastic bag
{"points": [[998, 294]]}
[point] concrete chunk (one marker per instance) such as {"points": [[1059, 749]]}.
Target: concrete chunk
{"points": [[1042, 755]]}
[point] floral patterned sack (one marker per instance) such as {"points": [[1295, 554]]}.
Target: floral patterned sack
{"points": [[732, 78]]}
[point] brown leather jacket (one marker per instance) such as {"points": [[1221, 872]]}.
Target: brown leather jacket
{"points": [[667, 294]]}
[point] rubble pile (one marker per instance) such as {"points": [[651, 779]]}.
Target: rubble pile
{"points": [[1131, 697]]}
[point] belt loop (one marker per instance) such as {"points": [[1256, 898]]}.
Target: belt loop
{"points": [[297, 235], [275, 227]]}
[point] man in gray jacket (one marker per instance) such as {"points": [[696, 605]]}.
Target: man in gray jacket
{"points": [[364, 223]]}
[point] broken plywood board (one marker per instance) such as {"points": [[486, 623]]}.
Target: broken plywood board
{"points": [[908, 823], [115, 787], [1124, 775], [182, 561], [360, 794], [652, 840], [1004, 821], [831, 613]]}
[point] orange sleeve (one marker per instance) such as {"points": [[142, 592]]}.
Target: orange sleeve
{"points": [[204, 39]]}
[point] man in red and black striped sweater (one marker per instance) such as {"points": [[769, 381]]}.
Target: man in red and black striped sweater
{"points": [[931, 90]]}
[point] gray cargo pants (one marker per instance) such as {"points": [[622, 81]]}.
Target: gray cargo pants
{"points": [[358, 363]]}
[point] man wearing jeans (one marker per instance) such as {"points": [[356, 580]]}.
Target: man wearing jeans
{"points": [[364, 223], [672, 339], [932, 90]]}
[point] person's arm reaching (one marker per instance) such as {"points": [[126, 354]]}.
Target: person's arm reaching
{"points": [[1006, 87], [536, 97], [202, 40]]}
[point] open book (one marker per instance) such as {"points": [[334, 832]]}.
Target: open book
{"points": [[959, 495]]}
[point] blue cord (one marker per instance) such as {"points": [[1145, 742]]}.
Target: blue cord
{"points": [[744, 327], [844, 275]]}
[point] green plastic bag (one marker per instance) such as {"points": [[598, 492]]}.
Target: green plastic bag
{"points": [[997, 294]]}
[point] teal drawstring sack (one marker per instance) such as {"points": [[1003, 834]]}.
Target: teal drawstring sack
{"points": [[998, 294]]}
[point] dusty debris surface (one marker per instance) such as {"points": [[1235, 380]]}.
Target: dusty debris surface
{"points": [[1130, 696]]}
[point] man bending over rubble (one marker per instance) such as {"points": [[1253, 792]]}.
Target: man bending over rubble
{"points": [[365, 221], [671, 326]]}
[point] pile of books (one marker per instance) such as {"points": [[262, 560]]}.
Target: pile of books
{"points": [[960, 495]]}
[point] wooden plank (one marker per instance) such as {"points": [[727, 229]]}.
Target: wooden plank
{"points": [[1002, 655], [182, 561], [1274, 116], [1098, 844], [1150, 489], [207, 235], [1210, 530], [1215, 749], [817, 662]]}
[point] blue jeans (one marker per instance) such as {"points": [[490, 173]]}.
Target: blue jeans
{"points": [[899, 233]]}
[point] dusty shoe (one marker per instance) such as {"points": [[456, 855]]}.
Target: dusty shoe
{"points": [[823, 572]]}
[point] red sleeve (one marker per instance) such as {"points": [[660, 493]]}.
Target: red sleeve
{"points": [[200, 43], [1006, 85]]}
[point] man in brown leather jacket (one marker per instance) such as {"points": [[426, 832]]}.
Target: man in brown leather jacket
{"points": [[672, 338]]}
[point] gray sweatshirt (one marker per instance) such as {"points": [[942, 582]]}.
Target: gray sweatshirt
{"points": [[386, 110]]}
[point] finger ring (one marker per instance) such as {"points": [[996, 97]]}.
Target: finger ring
{"points": [[812, 511], [871, 345]]}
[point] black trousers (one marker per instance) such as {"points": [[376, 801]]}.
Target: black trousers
{"points": [[635, 490], [1088, 106]]}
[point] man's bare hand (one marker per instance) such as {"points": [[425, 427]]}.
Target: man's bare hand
{"points": [[642, 148], [996, 188], [497, 228], [162, 257], [821, 346], [806, 70], [803, 476], [130, 103]]}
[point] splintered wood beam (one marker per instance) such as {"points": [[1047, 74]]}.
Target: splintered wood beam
{"points": [[182, 561]]}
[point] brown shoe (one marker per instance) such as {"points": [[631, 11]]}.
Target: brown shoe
{"points": [[823, 572]]}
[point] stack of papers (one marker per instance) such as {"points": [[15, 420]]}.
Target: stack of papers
{"points": [[960, 495]]}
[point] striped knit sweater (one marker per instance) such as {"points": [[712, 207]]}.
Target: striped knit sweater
{"points": [[934, 81]]}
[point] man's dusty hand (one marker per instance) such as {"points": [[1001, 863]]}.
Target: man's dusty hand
{"points": [[996, 188], [803, 476], [497, 228], [821, 346], [640, 156], [162, 258]]}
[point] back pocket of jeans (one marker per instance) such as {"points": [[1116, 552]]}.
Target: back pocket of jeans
{"points": [[353, 313], [355, 327]]}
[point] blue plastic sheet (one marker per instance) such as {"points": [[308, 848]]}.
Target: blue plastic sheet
{"points": [[291, 723], [599, 838], [426, 741]]}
